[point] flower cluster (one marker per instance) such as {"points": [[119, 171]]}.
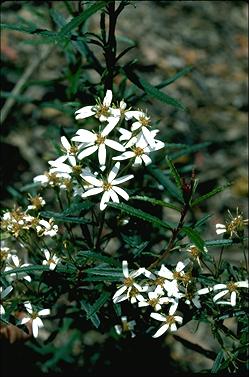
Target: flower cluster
{"points": [[87, 165], [165, 290], [17, 221]]}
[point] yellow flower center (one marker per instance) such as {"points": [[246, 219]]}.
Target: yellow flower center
{"points": [[102, 110], [232, 287], [77, 169], [106, 186], [170, 319], [145, 121], [177, 275], [36, 201], [138, 151], [73, 149], [128, 282], [153, 302], [100, 139], [159, 281]]}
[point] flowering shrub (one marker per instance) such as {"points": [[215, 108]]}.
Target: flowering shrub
{"points": [[103, 204]]}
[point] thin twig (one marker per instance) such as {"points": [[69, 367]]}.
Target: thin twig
{"points": [[21, 82]]}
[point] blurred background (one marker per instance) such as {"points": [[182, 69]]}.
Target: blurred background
{"points": [[211, 36]]}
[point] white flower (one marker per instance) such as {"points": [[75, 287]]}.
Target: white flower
{"points": [[108, 187], [34, 316], [52, 179], [37, 202], [102, 111], [14, 262], [125, 327], [97, 142], [139, 152], [59, 165], [196, 253], [46, 228], [71, 150], [143, 122], [229, 288], [170, 322], [4, 253], [51, 260], [220, 228], [3, 294], [156, 300], [130, 289]]}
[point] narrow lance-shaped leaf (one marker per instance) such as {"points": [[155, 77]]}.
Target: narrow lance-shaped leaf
{"points": [[88, 308], [209, 195], [62, 218], [174, 173], [78, 20], [98, 304], [141, 215], [194, 237], [156, 202]]}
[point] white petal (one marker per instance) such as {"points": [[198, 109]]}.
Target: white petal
{"points": [[123, 179], [148, 136], [135, 126], [178, 319], [102, 154], [25, 320], [165, 272], [84, 112], [146, 159], [47, 254], [158, 317], [173, 327], [87, 152], [44, 312], [6, 291], [120, 291], [219, 286], [105, 198], [125, 269], [121, 192], [16, 260], [203, 291], [35, 328], [242, 284], [181, 265], [39, 322], [220, 294], [173, 308], [110, 126], [113, 173], [108, 98], [161, 331], [133, 114], [233, 298], [124, 156], [114, 196], [143, 303], [92, 191], [115, 145], [28, 307], [90, 178], [65, 143]]}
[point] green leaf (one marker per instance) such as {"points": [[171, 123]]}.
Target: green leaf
{"points": [[98, 304], [209, 194], [88, 254], [140, 214], [78, 20], [175, 174], [194, 237], [219, 243], [165, 181], [172, 79], [150, 89], [189, 150], [217, 362], [88, 308], [62, 218], [155, 202], [28, 269], [106, 272], [77, 207]]}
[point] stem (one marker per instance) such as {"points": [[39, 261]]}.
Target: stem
{"points": [[219, 262], [172, 240], [101, 225]]}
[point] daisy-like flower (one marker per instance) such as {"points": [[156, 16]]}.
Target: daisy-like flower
{"points": [[34, 316], [169, 321], [103, 111], [234, 227], [143, 122], [129, 289], [196, 253], [125, 327], [14, 262], [97, 142], [46, 228], [51, 260], [37, 202], [3, 294], [108, 187], [156, 300], [70, 149], [59, 165], [171, 278], [52, 179], [4, 253], [139, 152], [230, 288]]}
